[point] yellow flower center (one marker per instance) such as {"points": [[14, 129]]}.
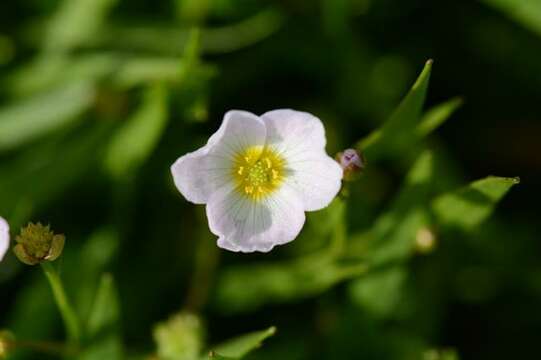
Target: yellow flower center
{"points": [[258, 172]]}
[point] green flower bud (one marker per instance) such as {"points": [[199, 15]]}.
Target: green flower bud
{"points": [[180, 337], [37, 243]]}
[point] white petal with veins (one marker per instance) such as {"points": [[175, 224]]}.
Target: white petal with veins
{"points": [[4, 237], [300, 138], [201, 172]]}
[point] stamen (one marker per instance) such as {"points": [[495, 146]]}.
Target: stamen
{"points": [[258, 172]]}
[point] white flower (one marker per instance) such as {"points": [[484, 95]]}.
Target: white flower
{"points": [[257, 177], [4, 237]]}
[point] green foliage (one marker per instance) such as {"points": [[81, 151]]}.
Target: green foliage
{"points": [[102, 328], [526, 12], [466, 208], [133, 143], [72, 25], [393, 233], [97, 252], [437, 115], [399, 130], [101, 96], [380, 292], [278, 283], [238, 348], [37, 176], [35, 117], [182, 337]]}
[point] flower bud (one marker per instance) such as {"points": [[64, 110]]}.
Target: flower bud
{"points": [[352, 162], [180, 337], [37, 243], [425, 240]]}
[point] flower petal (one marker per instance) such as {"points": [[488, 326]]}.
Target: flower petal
{"points": [[198, 174], [299, 138], [245, 225], [4, 238]]}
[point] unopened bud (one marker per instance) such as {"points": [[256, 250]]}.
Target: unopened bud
{"points": [[180, 337], [37, 243], [352, 162], [425, 240]]}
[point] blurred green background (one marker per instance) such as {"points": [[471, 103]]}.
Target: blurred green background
{"points": [[99, 98]]}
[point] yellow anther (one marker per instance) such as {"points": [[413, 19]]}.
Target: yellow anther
{"points": [[258, 172]]}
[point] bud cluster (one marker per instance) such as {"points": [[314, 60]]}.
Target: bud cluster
{"points": [[37, 243]]}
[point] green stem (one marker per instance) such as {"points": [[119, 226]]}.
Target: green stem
{"points": [[71, 322], [44, 347]]}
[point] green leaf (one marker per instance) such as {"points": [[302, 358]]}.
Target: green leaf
{"points": [[41, 114], [135, 141], [103, 324], [93, 258], [223, 39], [437, 115], [400, 129], [398, 244], [192, 11], [468, 207], [379, 292], [52, 70], [320, 232], [280, 282], [526, 12], [148, 69], [42, 173], [394, 232], [145, 70], [75, 23], [242, 34], [239, 347]]}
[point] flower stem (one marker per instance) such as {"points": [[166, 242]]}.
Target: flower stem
{"points": [[71, 322]]}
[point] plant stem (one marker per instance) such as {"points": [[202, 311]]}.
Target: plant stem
{"points": [[44, 347], [71, 322]]}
